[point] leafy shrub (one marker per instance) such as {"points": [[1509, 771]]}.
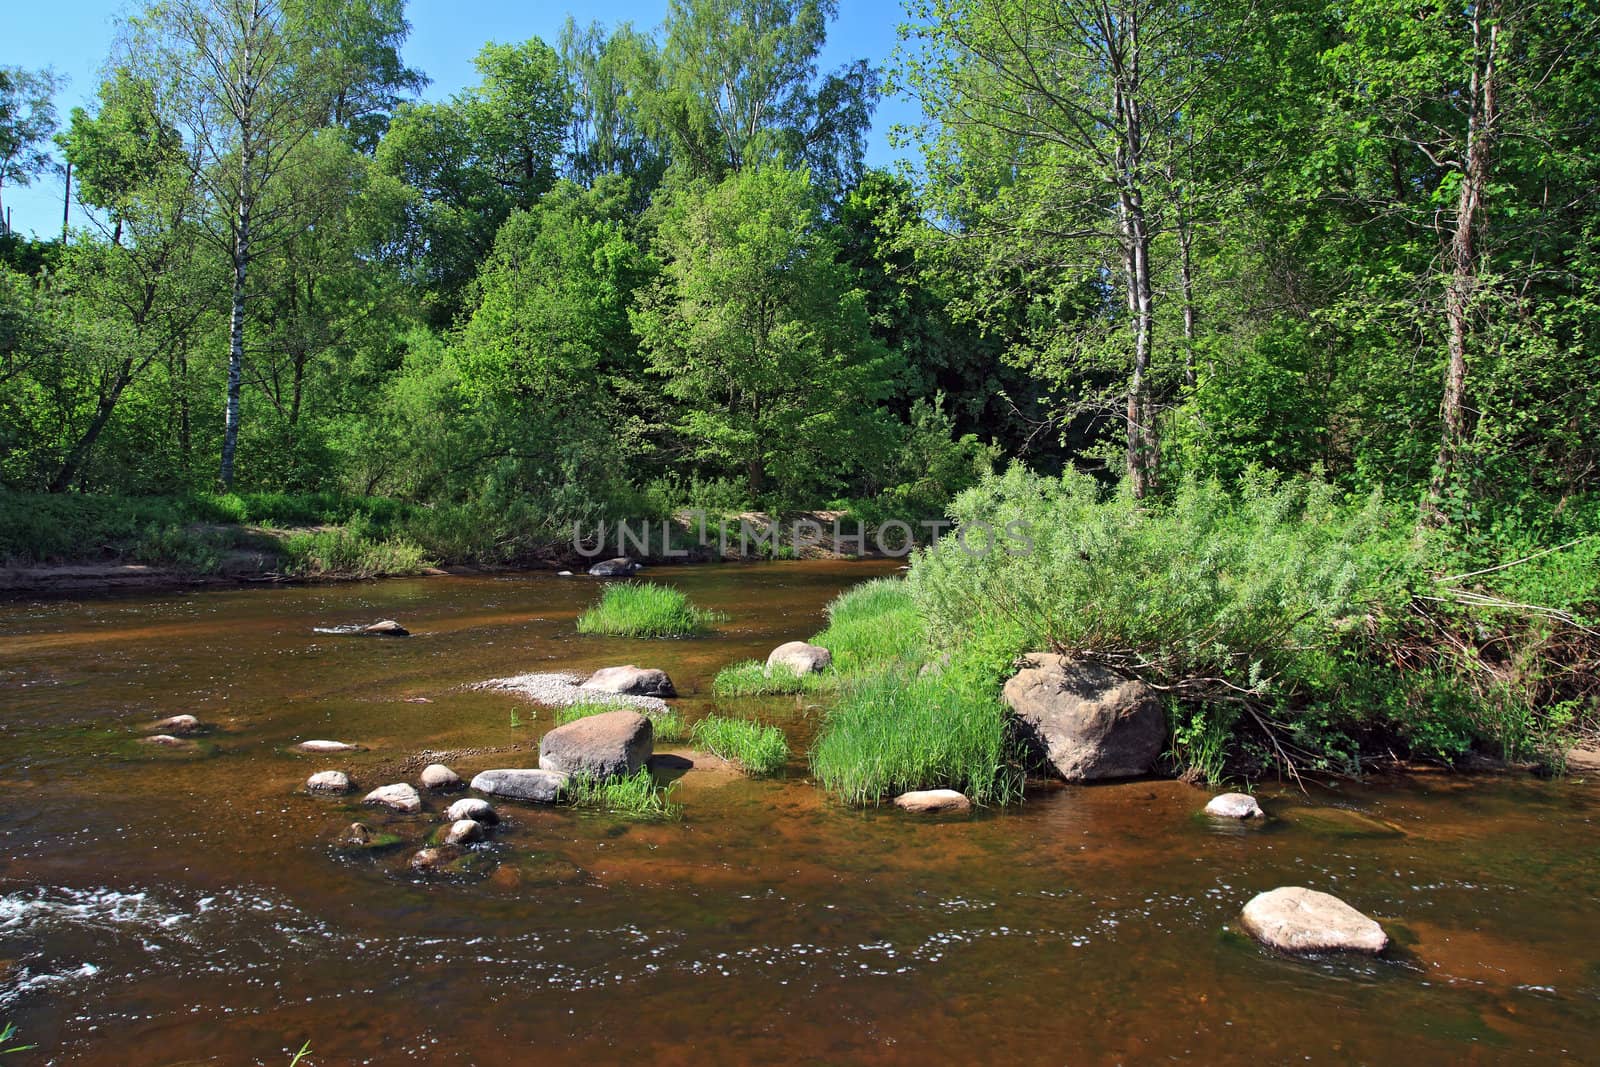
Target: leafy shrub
{"points": [[645, 609], [759, 749]]}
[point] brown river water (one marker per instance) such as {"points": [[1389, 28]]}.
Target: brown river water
{"points": [[165, 907]]}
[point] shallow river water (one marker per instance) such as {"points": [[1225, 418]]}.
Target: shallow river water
{"points": [[166, 907]]}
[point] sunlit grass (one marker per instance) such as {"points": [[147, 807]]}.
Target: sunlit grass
{"points": [[645, 609], [760, 750], [666, 724], [635, 795]]}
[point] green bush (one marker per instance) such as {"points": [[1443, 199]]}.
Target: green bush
{"points": [[873, 625], [896, 730], [666, 724], [645, 609], [760, 750]]}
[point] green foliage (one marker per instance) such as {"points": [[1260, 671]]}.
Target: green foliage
{"points": [[645, 609], [636, 796], [759, 749], [666, 724], [750, 678], [8, 1033], [348, 554], [895, 730], [873, 625]]}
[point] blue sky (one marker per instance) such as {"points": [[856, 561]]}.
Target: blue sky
{"points": [[74, 37]]}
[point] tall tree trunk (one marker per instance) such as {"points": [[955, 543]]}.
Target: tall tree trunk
{"points": [[1186, 284], [1142, 441], [80, 451], [1463, 253], [241, 266]]}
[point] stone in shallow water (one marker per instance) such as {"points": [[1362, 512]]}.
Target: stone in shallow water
{"points": [[464, 832], [1304, 921], [386, 628], [428, 860], [166, 741], [472, 808], [1234, 806], [933, 802], [522, 783], [615, 743], [636, 681], [399, 797], [799, 657], [1088, 721], [178, 724], [329, 782], [325, 746], [438, 776], [620, 567]]}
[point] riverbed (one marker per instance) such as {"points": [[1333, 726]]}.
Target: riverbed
{"points": [[191, 906]]}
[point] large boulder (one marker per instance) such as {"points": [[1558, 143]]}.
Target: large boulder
{"points": [[798, 657], [599, 746], [1086, 720], [1303, 921], [520, 783], [620, 567], [631, 680]]}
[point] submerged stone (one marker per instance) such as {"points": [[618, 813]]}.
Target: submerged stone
{"points": [[386, 628], [178, 724], [933, 802], [472, 808], [620, 567], [1304, 921], [464, 832], [631, 680], [398, 797], [325, 747], [328, 782]]}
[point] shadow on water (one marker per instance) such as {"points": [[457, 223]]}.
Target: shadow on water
{"points": [[193, 904]]}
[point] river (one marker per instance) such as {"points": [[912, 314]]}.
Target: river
{"points": [[190, 906]]}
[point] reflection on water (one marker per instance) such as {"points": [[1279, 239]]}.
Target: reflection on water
{"points": [[183, 906]]}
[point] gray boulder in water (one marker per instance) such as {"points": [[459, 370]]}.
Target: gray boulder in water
{"points": [[1086, 720], [522, 783], [1304, 921], [599, 746], [620, 567], [386, 628], [637, 681]]}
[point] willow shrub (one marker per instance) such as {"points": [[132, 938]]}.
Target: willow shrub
{"points": [[1258, 607]]}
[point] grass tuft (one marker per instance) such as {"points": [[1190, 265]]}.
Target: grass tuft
{"points": [[750, 678], [893, 731], [636, 795], [873, 625], [645, 609], [760, 750], [326, 553], [666, 725]]}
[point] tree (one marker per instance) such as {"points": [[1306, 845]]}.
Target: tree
{"points": [[608, 134], [122, 149], [1057, 130], [27, 119], [755, 327]]}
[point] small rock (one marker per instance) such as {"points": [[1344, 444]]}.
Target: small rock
{"points": [[933, 802], [540, 786], [178, 724], [799, 657], [399, 796], [635, 681], [431, 859], [1234, 806], [325, 746], [358, 834], [1298, 920], [620, 567], [464, 832], [386, 628], [165, 740], [472, 808], [614, 743], [328, 782], [439, 777], [563, 574]]}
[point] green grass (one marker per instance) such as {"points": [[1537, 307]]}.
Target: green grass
{"points": [[751, 678], [872, 625], [645, 609], [760, 750], [894, 731], [666, 725], [7, 1033], [327, 553], [637, 795]]}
